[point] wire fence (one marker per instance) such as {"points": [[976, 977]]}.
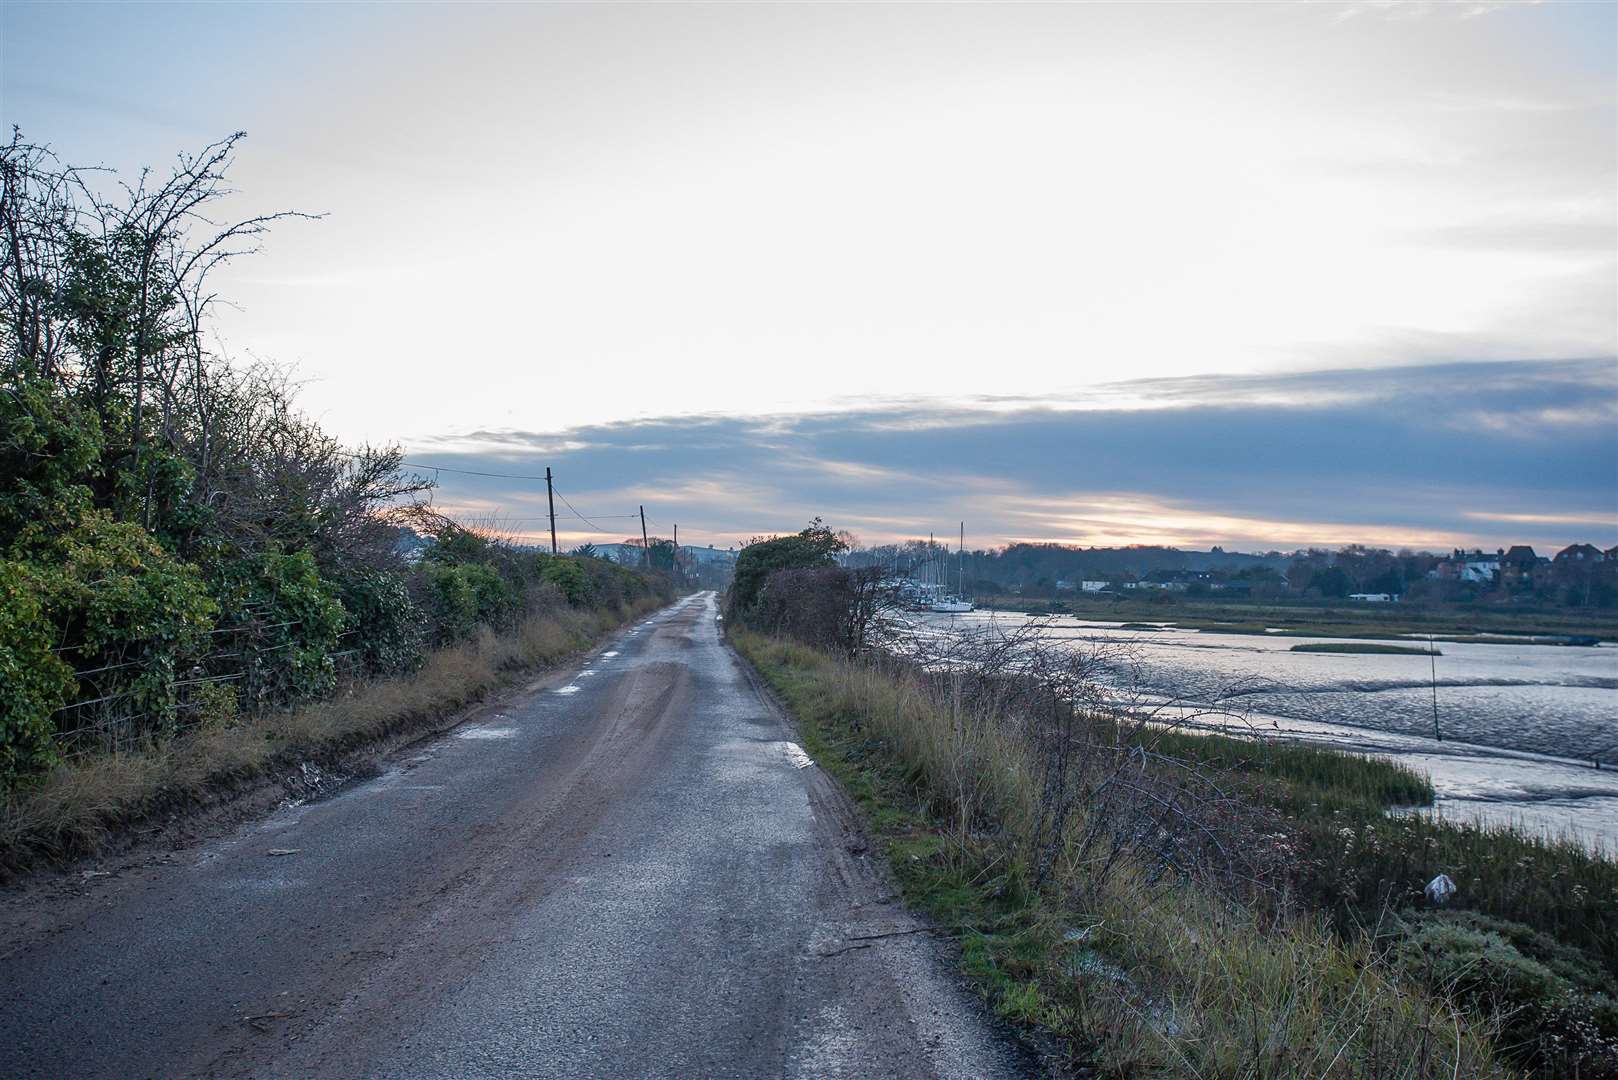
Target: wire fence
{"points": [[137, 711]]}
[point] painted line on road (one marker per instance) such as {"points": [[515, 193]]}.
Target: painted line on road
{"points": [[487, 733]]}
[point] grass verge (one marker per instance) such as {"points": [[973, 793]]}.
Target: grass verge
{"points": [[1139, 973], [82, 805]]}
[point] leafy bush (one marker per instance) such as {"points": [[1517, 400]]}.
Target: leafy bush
{"points": [[465, 596], [810, 549], [568, 577], [127, 613], [285, 622], [33, 681], [48, 450], [386, 621], [1550, 1018]]}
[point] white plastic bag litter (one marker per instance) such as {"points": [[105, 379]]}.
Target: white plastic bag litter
{"points": [[1440, 889]]}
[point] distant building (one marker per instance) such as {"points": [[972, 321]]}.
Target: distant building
{"points": [[1064, 585], [1474, 566], [1519, 565], [1580, 553], [1373, 597]]}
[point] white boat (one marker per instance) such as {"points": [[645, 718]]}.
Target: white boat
{"points": [[955, 603]]}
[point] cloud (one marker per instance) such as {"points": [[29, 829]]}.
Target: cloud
{"points": [[1555, 237], [1428, 457]]}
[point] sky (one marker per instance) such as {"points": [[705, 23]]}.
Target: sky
{"points": [[1262, 275]]}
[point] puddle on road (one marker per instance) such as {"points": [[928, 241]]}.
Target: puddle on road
{"points": [[609, 654], [570, 688], [795, 755], [588, 674]]}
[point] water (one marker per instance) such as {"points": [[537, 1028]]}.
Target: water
{"points": [[1521, 724]]}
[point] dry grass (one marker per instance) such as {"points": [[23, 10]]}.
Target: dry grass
{"points": [[1144, 965], [82, 805]]}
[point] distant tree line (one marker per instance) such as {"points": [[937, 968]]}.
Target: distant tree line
{"points": [[1048, 570]]}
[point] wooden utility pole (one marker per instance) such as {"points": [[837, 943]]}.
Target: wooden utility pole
{"points": [[551, 499], [645, 544]]}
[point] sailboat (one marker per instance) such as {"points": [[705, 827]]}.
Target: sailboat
{"points": [[956, 603]]}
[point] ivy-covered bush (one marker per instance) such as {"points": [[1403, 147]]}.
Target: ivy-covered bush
{"points": [[463, 596], [129, 616], [387, 625], [285, 623], [33, 680], [49, 449]]}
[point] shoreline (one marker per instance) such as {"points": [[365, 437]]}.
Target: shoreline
{"points": [[1369, 622]]}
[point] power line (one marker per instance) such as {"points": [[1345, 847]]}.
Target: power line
{"points": [[470, 472], [514, 476], [575, 509], [499, 517]]}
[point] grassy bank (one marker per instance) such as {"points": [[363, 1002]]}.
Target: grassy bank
{"points": [[1322, 618], [1272, 925], [83, 804]]}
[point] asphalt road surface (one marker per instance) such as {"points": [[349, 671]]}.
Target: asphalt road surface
{"points": [[620, 872]]}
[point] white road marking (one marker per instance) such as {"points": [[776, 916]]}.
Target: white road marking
{"points": [[486, 733]]}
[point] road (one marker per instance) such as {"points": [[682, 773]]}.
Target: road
{"points": [[618, 872]]}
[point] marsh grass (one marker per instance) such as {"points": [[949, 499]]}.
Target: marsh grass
{"points": [[1141, 964], [81, 805]]}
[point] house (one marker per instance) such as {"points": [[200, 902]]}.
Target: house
{"points": [[1373, 597], [1473, 566], [1519, 564], [1579, 553]]}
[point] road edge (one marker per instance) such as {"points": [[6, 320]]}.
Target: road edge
{"points": [[874, 877]]}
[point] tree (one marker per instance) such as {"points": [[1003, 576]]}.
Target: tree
{"points": [[829, 607], [812, 547]]}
